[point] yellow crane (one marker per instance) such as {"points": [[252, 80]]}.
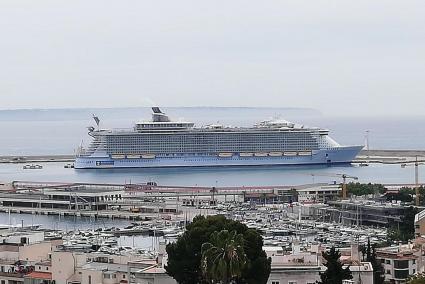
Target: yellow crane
{"points": [[416, 164], [344, 177], [344, 184]]}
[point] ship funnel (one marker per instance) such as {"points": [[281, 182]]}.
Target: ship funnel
{"points": [[156, 110], [159, 116], [97, 120]]}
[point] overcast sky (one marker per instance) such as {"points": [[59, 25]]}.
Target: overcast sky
{"points": [[343, 57]]}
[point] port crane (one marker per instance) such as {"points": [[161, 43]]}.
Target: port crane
{"points": [[416, 164], [344, 178]]}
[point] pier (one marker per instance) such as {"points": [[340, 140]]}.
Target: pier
{"points": [[141, 201], [146, 201], [36, 159]]}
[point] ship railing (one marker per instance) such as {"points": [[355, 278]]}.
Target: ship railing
{"points": [[123, 129], [224, 129]]}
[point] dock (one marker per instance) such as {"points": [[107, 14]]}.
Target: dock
{"points": [[390, 156], [140, 202], [110, 214], [36, 159]]}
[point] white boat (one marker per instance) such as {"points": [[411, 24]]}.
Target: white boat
{"points": [[32, 167], [290, 153], [275, 154]]}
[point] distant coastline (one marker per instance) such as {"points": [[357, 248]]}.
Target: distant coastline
{"points": [[71, 113]]}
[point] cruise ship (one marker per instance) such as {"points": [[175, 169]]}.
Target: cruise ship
{"points": [[163, 142]]}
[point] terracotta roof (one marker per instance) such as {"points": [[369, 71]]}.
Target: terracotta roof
{"points": [[39, 275]]}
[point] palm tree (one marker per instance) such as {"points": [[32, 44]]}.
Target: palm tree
{"points": [[223, 258]]}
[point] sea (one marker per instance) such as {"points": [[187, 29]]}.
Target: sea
{"points": [[61, 131]]}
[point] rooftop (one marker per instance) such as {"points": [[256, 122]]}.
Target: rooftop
{"points": [[419, 216], [39, 275], [154, 269], [106, 267], [400, 252]]}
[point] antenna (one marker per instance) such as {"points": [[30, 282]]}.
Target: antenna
{"points": [[367, 143], [417, 201], [416, 164]]}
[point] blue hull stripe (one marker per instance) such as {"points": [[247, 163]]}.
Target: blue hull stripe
{"points": [[330, 156]]}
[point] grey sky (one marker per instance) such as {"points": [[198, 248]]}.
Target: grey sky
{"points": [[348, 57]]}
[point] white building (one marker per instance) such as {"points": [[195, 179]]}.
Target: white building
{"points": [[27, 258], [319, 193], [305, 267], [399, 262]]}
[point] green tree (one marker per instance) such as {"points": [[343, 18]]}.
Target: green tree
{"points": [[405, 194], [184, 255], [417, 279], [421, 195], [334, 273], [223, 258], [405, 230], [356, 188], [378, 271]]}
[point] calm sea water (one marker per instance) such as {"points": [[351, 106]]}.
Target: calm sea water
{"points": [[222, 176]]}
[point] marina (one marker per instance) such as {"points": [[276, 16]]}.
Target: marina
{"points": [[279, 224], [153, 209]]}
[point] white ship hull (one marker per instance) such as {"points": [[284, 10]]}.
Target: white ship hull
{"points": [[338, 155]]}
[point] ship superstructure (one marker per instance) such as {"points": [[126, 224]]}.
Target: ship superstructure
{"points": [[162, 142]]}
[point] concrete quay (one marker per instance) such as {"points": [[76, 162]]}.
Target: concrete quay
{"points": [[110, 214], [390, 156], [36, 159]]}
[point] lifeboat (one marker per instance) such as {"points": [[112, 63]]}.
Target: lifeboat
{"points": [[261, 154], [290, 153], [133, 156], [246, 154], [148, 156], [118, 156], [275, 154], [304, 153], [225, 155]]}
